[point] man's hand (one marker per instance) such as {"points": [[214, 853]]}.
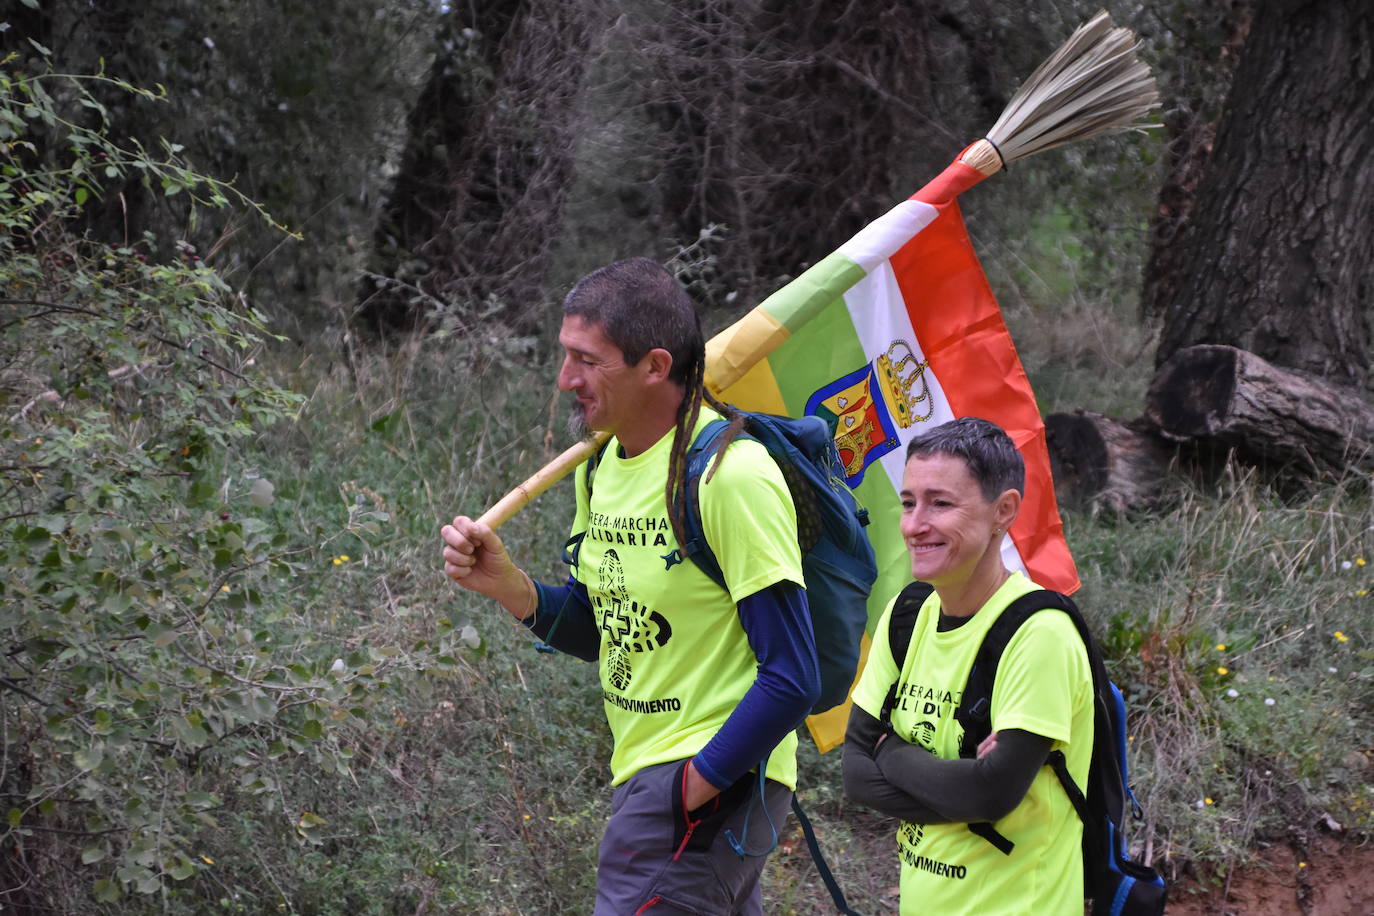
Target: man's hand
{"points": [[987, 745], [697, 790], [475, 558]]}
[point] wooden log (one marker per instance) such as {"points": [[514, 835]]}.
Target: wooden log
{"points": [[1283, 421], [1101, 462]]}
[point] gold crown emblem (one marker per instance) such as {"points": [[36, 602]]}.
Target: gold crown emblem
{"points": [[899, 373]]}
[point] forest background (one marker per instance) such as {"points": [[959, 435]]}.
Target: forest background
{"points": [[280, 292]]}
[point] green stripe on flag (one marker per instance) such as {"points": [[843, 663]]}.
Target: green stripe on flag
{"points": [[821, 351], [824, 283]]}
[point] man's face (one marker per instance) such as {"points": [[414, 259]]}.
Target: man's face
{"points": [[594, 370]]}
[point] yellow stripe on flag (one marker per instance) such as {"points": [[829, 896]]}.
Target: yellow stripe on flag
{"points": [[733, 354]]}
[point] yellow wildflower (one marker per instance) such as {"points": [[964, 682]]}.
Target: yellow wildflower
{"points": [[1341, 637], [1223, 670], [1208, 801], [1221, 647]]}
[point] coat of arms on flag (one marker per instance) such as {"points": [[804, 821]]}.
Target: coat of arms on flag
{"points": [[866, 408]]}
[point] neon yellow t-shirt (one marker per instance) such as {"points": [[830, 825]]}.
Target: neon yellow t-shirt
{"points": [[1044, 686], [674, 659]]}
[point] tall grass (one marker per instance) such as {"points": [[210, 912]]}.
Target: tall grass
{"points": [[1239, 625], [482, 788]]}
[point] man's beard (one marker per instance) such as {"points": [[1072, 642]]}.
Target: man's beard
{"points": [[577, 422]]}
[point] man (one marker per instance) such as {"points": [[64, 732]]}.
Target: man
{"points": [[702, 688]]}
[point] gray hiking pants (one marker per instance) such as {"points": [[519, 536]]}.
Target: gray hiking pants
{"points": [[657, 860]]}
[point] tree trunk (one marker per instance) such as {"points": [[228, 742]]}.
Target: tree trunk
{"points": [[1209, 39], [1278, 257], [1229, 401], [477, 204], [1098, 461]]}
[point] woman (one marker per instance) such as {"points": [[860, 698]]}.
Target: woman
{"points": [[961, 491]]}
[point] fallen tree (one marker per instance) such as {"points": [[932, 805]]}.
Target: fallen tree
{"points": [[1207, 405], [1097, 460], [1278, 419]]}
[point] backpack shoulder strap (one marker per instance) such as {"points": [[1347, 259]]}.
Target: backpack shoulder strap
{"points": [[699, 456], [974, 712], [901, 623]]}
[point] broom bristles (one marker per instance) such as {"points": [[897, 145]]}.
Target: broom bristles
{"points": [[1093, 84]]}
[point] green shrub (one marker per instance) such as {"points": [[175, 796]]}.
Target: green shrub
{"points": [[158, 680], [1238, 626]]}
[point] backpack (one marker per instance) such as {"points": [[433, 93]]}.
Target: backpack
{"points": [[1116, 884], [837, 560]]}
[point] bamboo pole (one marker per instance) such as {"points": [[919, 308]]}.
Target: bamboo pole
{"points": [[524, 494]]}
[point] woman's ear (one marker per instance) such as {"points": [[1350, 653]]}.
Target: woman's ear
{"points": [[1006, 507]]}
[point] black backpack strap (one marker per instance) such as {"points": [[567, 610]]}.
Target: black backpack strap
{"points": [[988, 832], [1060, 765], [809, 832], [900, 625], [974, 712]]}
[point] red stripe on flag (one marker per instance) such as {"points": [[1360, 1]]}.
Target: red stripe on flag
{"points": [[963, 336]]}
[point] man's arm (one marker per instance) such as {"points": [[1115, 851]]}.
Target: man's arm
{"points": [[778, 625], [565, 620], [475, 558]]}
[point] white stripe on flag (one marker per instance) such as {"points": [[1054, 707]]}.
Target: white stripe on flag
{"points": [[880, 318], [880, 239]]}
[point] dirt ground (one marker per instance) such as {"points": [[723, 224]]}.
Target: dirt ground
{"points": [[1332, 879]]}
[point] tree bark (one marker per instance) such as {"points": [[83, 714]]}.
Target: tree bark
{"points": [[1209, 39], [1227, 400], [1278, 256], [1099, 461], [479, 198]]}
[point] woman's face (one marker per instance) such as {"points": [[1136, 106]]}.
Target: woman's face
{"points": [[947, 523]]}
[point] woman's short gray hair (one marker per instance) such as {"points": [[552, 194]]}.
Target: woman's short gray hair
{"points": [[985, 448]]}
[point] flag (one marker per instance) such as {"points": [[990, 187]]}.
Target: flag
{"points": [[891, 335]]}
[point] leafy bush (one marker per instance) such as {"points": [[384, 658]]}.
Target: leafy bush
{"points": [[156, 683], [1237, 624]]}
